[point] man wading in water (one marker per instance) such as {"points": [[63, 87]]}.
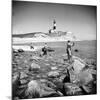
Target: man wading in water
{"points": [[68, 50], [45, 49]]}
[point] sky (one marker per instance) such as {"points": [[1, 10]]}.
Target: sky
{"points": [[30, 17]]}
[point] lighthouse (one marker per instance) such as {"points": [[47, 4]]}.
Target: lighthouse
{"points": [[53, 30], [54, 25]]}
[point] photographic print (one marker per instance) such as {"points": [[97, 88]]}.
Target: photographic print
{"points": [[54, 50]]}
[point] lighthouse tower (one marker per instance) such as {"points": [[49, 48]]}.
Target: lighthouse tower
{"points": [[54, 25], [53, 30]]}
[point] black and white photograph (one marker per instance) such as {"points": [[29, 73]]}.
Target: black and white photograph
{"points": [[54, 50]]}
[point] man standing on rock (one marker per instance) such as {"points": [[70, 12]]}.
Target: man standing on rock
{"points": [[68, 50]]}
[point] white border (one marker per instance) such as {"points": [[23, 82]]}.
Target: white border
{"points": [[83, 2], [5, 48]]}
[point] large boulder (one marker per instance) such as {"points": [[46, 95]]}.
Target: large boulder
{"points": [[78, 65], [36, 89], [84, 77], [89, 88], [34, 67], [33, 90]]}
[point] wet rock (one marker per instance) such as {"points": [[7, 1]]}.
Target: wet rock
{"points": [[53, 74], [34, 67]]}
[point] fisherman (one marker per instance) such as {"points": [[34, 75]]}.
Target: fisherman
{"points": [[31, 46], [68, 50], [44, 49]]}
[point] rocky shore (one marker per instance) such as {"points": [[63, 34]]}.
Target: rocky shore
{"points": [[35, 76]]}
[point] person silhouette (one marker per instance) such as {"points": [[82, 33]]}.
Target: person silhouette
{"points": [[44, 49], [68, 50]]}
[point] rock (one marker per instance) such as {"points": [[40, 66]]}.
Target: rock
{"points": [[61, 69], [23, 81], [50, 50], [36, 89], [60, 61], [67, 77], [15, 84], [47, 64], [65, 59], [85, 89], [61, 94], [85, 77], [16, 55], [72, 89], [20, 50], [36, 58], [38, 76], [33, 90], [25, 61], [53, 74], [76, 50], [23, 75], [53, 64], [54, 68], [62, 78], [34, 67], [14, 51], [44, 76], [51, 85], [78, 65], [48, 83]]}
